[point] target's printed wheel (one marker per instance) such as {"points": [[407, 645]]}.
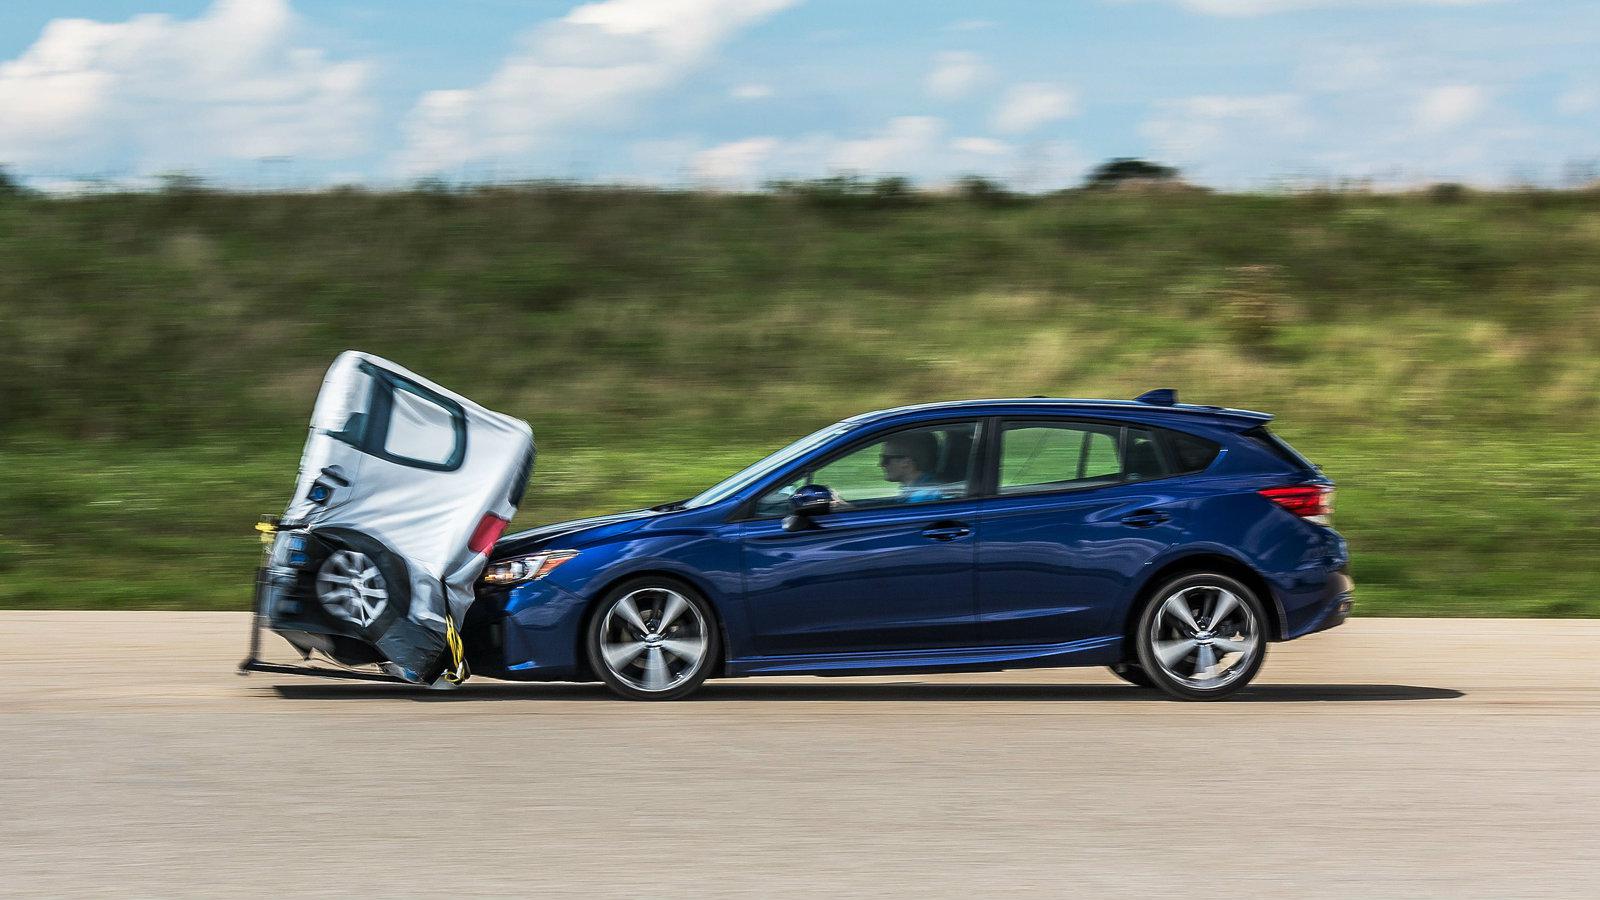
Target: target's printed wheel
{"points": [[351, 588]]}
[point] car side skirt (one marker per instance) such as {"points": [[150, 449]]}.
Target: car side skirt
{"points": [[1097, 651]]}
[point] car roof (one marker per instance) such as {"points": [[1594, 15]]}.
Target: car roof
{"points": [[1234, 418]]}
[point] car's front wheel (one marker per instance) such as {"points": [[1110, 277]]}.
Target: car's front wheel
{"points": [[1202, 637], [653, 639]]}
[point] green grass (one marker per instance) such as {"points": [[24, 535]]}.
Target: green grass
{"points": [[1441, 360]]}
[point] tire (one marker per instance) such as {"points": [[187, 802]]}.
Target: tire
{"points": [[1188, 655], [636, 656], [1132, 673]]}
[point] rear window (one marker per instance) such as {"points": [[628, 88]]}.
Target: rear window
{"points": [[1278, 447]]}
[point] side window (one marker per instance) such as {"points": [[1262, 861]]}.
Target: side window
{"points": [[1046, 457], [1143, 459], [420, 429], [1191, 454], [918, 465]]}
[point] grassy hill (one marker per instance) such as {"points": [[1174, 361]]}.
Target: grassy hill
{"points": [[1438, 354]]}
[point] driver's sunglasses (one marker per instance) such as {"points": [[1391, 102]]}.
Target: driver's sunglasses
{"points": [[886, 458]]}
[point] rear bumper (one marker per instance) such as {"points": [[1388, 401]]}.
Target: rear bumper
{"points": [[1330, 609], [1338, 610]]}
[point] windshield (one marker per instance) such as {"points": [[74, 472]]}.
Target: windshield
{"points": [[733, 483]]}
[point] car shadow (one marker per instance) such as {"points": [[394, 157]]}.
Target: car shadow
{"points": [[872, 692]]}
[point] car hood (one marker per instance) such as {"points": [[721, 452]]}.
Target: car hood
{"points": [[536, 539]]}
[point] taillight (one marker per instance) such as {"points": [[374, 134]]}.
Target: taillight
{"points": [[1308, 501], [489, 529]]}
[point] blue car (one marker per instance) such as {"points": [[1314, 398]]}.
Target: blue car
{"points": [[1170, 542]]}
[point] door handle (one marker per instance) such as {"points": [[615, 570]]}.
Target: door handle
{"points": [[1145, 518], [946, 531]]}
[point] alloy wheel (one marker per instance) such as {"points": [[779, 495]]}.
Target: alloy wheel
{"points": [[1205, 637], [653, 639]]}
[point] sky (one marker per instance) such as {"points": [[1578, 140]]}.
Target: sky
{"points": [[730, 94]]}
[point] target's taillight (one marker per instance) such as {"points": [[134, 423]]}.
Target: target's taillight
{"points": [[489, 529], [1313, 502]]}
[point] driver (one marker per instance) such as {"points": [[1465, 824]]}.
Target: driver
{"points": [[908, 460]]}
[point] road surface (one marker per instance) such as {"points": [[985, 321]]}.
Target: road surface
{"points": [[1387, 758]]}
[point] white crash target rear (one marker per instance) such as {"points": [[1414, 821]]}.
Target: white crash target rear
{"points": [[405, 485]]}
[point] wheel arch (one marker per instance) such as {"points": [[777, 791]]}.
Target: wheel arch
{"points": [[1206, 561], [592, 605]]}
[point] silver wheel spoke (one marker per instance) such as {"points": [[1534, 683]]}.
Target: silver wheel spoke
{"points": [[656, 673], [1178, 608], [674, 608], [1225, 603], [686, 650], [619, 655], [1170, 652], [1204, 661], [629, 612]]}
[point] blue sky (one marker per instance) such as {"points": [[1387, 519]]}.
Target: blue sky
{"points": [[730, 93]]}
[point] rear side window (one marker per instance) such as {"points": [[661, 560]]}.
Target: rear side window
{"points": [[1047, 457]]}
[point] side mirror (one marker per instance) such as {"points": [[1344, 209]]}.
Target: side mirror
{"points": [[807, 501]]}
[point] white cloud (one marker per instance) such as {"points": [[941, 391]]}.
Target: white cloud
{"points": [[1025, 107], [156, 92], [1450, 106], [1236, 129], [912, 146], [955, 74], [1265, 7], [1578, 101], [899, 148], [982, 146], [590, 67], [750, 92], [737, 164]]}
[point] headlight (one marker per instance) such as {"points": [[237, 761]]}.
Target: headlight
{"points": [[525, 568]]}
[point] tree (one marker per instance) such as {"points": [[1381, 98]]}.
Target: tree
{"points": [[10, 186], [1123, 170]]}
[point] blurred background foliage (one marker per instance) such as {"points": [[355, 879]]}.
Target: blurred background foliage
{"points": [[1437, 352]]}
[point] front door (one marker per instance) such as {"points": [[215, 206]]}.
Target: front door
{"points": [[890, 567]]}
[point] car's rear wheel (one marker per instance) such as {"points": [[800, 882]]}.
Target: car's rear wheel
{"points": [[1202, 637], [1133, 674], [653, 639]]}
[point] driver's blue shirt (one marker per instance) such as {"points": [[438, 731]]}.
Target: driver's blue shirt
{"points": [[920, 491]]}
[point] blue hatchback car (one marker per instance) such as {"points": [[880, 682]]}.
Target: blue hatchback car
{"points": [[1170, 542]]}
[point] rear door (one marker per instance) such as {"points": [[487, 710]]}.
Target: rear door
{"points": [[1076, 513]]}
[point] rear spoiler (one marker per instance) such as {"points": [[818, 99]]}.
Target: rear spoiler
{"points": [[1239, 418]]}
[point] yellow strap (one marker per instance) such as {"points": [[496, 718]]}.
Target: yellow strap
{"points": [[457, 673]]}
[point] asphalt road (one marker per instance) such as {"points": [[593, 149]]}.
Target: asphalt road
{"points": [[1390, 757]]}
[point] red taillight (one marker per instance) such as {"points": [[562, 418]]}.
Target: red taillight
{"points": [[1308, 501], [489, 529]]}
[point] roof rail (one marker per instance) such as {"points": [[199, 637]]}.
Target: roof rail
{"points": [[1158, 397]]}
